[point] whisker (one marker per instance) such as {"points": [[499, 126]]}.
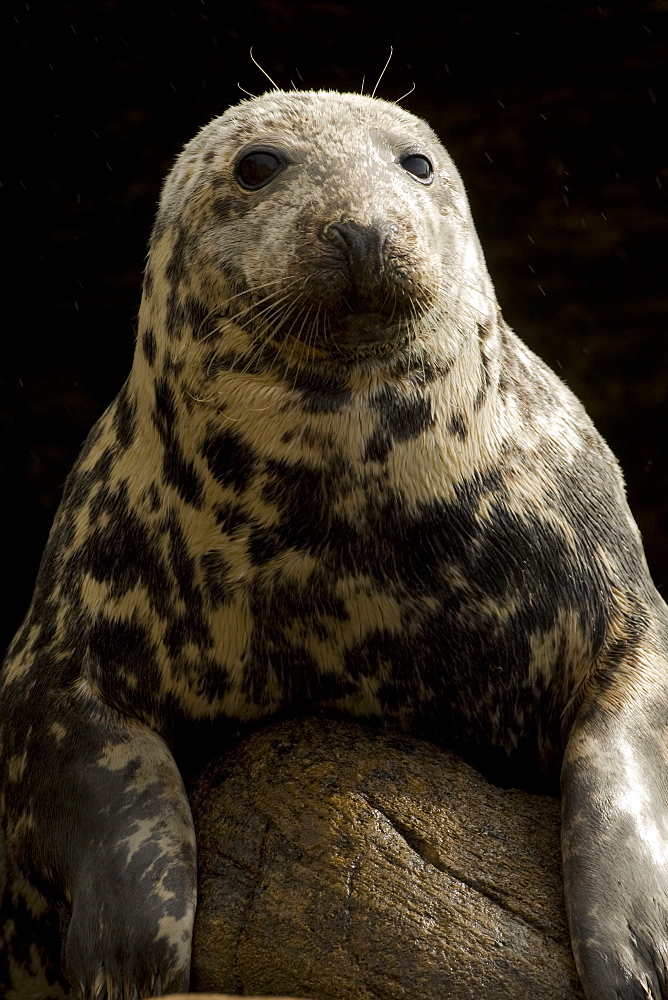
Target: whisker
{"points": [[382, 72], [253, 59], [407, 94]]}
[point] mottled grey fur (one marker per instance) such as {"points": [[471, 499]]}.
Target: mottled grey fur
{"points": [[334, 478]]}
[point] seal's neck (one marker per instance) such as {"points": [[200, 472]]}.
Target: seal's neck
{"points": [[220, 406]]}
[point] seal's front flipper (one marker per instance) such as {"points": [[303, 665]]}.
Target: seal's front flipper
{"points": [[109, 833], [30, 939], [615, 853]]}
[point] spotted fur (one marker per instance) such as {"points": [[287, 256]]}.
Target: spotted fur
{"points": [[334, 478]]}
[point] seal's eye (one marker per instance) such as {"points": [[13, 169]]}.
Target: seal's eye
{"points": [[419, 166], [257, 169]]}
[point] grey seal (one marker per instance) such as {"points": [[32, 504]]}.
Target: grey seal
{"points": [[335, 478]]}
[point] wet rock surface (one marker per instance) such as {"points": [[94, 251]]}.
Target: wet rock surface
{"points": [[338, 861]]}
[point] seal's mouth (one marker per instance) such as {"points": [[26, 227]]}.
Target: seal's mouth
{"points": [[347, 338], [362, 328]]}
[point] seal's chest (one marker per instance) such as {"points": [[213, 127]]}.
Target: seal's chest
{"points": [[387, 615], [335, 623]]}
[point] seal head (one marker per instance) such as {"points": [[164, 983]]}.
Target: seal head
{"points": [[337, 221]]}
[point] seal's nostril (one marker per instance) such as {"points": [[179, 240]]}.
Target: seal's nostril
{"points": [[361, 244], [336, 233]]}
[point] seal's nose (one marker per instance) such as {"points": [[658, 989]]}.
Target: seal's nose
{"points": [[358, 243], [363, 248]]}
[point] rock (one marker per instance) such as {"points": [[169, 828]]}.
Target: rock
{"points": [[339, 861]]}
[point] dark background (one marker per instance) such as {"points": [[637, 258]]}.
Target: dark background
{"points": [[555, 113]]}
